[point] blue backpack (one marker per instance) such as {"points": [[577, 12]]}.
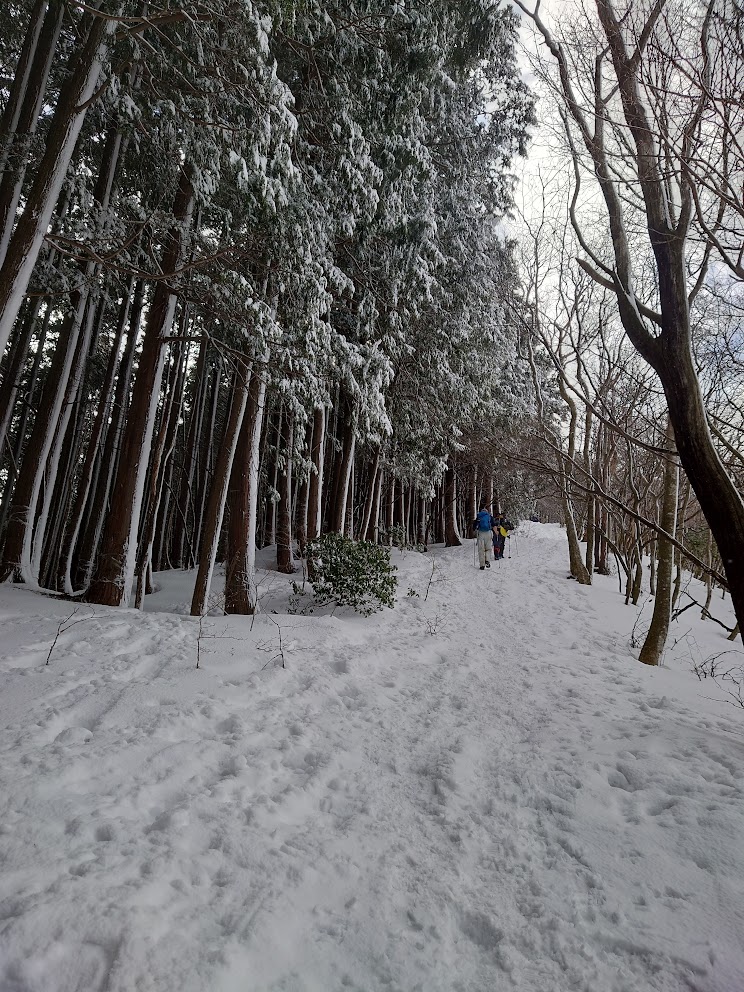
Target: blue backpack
{"points": [[484, 520]]}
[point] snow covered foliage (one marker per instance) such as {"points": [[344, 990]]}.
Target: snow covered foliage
{"points": [[351, 573], [301, 199]]}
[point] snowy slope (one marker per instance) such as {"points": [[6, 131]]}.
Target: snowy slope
{"points": [[509, 801]]}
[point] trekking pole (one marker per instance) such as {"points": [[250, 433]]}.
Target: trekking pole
{"points": [[509, 539]]}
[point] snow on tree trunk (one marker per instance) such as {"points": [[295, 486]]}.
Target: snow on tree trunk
{"points": [[67, 121], [19, 537], [206, 447], [303, 495], [88, 550], [51, 467], [22, 110], [112, 583], [180, 536], [215, 511], [171, 413], [348, 446], [26, 535], [284, 560], [88, 475], [241, 594], [421, 520], [370, 498], [451, 534], [14, 368]]}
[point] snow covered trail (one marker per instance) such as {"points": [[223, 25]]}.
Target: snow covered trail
{"points": [[478, 791]]}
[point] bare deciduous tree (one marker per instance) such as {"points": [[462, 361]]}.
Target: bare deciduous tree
{"points": [[632, 125]]}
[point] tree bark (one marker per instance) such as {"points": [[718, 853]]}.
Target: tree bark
{"points": [[172, 404], [218, 492], [653, 646], [22, 110], [451, 535], [112, 583], [315, 497], [185, 502], [241, 594], [576, 564], [88, 473], [17, 553], [348, 443], [369, 501], [206, 447], [284, 558], [14, 368], [86, 554], [72, 105], [421, 521], [303, 495]]}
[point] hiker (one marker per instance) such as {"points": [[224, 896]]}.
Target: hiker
{"points": [[483, 525], [502, 526]]}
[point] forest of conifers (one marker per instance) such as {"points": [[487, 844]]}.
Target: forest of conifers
{"points": [[249, 257], [263, 277]]}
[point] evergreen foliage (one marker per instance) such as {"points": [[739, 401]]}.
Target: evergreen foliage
{"points": [[292, 201], [351, 573]]}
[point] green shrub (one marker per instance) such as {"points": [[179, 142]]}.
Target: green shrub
{"points": [[351, 573]]}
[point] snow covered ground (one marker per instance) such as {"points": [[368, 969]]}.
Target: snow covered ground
{"points": [[478, 792]]}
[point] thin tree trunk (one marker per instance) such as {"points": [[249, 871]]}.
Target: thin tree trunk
{"points": [[206, 449], [185, 502], [218, 492], [590, 499], [112, 583], [653, 646], [451, 535], [576, 564], [241, 594], [74, 100], [708, 577], [93, 453], [14, 368], [19, 537], [284, 559], [172, 405], [373, 529], [85, 555], [389, 510], [637, 577], [338, 512], [682, 528], [472, 500], [350, 497], [26, 535], [29, 403], [61, 437], [315, 496], [370, 498], [421, 522], [22, 110], [303, 495]]}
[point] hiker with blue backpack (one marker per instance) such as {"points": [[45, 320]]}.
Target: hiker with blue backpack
{"points": [[483, 525]]}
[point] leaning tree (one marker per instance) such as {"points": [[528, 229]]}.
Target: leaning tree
{"points": [[644, 88]]}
